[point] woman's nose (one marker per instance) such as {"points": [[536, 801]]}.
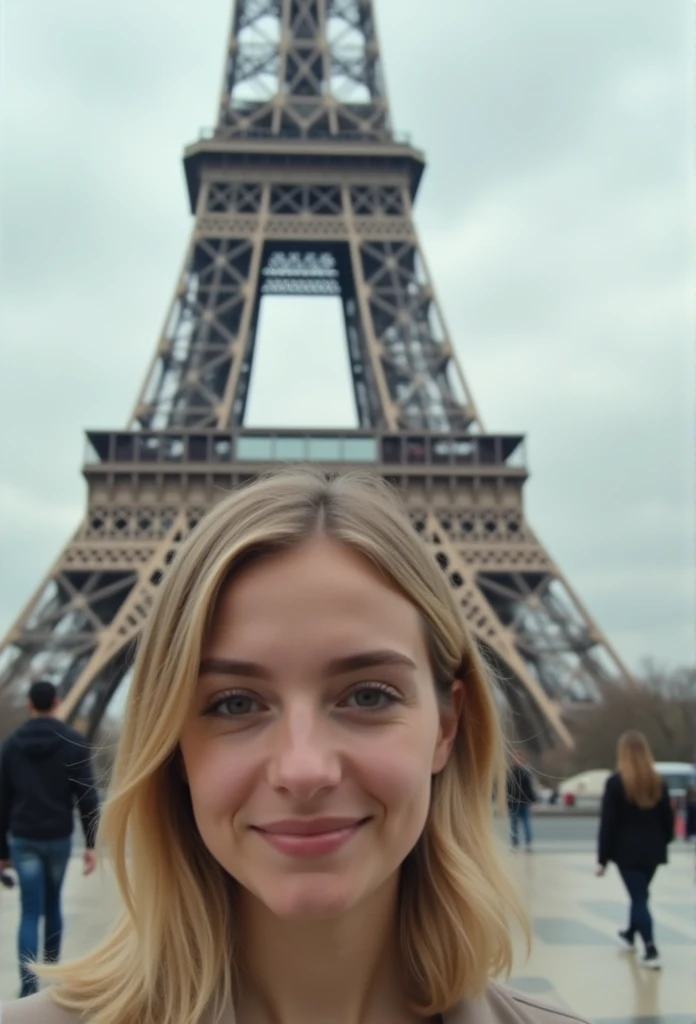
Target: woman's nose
{"points": [[303, 758]]}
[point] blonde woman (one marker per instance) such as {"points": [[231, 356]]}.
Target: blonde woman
{"points": [[300, 811], [637, 825]]}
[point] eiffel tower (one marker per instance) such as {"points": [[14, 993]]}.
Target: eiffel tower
{"points": [[302, 188]]}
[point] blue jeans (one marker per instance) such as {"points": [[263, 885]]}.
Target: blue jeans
{"points": [[520, 813], [637, 881], [40, 865]]}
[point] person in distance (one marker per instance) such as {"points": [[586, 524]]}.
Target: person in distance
{"points": [[45, 773], [636, 827]]}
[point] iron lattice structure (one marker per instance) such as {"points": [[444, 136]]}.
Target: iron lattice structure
{"points": [[302, 188]]}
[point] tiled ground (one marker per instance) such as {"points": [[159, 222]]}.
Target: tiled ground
{"points": [[575, 959], [574, 962]]}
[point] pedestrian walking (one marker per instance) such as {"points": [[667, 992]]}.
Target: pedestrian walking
{"points": [[636, 827], [45, 769], [520, 797], [690, 816], [300, 808], [690, 813]]}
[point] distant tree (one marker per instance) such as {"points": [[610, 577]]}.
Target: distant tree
{"points": [[679, 683], [663, 706]]}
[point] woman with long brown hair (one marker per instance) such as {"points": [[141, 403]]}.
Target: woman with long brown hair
{"points": [[636, 827]]}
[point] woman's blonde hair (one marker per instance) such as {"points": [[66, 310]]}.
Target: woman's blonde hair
{"points": [[170, 958], [642, 785]]}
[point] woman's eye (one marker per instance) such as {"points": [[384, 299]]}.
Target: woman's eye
{"points": [[233, 706], [371, 698]]}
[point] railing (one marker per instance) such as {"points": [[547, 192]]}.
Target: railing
{"points": [[377, 135], [322, 446]]}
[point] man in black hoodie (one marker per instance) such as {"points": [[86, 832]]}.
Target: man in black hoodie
{"points": [[45, 770]]}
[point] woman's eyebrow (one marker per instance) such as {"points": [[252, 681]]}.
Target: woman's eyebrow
{"points": [[232, 667], [367, 659], [335, 667]]}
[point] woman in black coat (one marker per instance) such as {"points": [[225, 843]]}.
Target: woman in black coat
{"points": [[637, 824]]}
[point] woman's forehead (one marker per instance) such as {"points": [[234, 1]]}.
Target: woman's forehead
{"points": [[326, 598], [318, 569]]}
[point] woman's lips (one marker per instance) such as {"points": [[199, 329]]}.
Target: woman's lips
{"points": [[310, 837]]}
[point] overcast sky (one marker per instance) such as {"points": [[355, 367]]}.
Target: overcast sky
{"points": [[555, 214]]}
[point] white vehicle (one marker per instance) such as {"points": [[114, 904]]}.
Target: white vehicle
{"points": [[587, 788], [679, 776]]}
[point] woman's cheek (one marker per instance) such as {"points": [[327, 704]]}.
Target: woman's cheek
{"points": [[217, 784], [395, 771]]}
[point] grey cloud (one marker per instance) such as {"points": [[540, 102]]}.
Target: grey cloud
{"points": [[512, 87]]}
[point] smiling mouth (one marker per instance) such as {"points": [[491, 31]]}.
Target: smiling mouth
{"points": [[310, 837], [308, 826]]}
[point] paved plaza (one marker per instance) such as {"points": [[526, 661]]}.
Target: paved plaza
{"points": [[575, 960]]}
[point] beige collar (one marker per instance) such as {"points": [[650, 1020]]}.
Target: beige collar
{"points": [[467, 1011]]}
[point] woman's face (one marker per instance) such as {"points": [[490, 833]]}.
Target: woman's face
{"points": [[315, 730]]}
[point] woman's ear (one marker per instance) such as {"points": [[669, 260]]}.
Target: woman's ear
{"points": [[450, 716]]}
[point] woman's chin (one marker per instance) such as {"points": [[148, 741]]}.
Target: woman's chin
{"points": [[309, 903]]}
